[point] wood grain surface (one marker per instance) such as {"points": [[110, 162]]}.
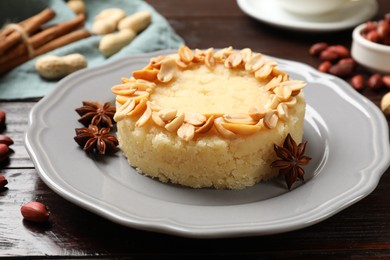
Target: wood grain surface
{"points": [[361, 231]]}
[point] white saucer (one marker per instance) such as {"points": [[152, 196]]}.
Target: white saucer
{"points": [[350, 15]]}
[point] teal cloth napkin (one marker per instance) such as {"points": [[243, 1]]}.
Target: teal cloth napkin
{"points": [[24, 82]]}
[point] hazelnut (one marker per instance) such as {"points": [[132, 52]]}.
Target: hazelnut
{"points": [[35, 211]]}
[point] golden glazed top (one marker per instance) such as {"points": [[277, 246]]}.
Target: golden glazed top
{"points": [[193, 92]]}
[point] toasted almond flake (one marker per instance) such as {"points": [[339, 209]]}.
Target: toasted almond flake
{"points": [[222, 54], [209, 60], [241, 129], [206, 126], [195, 119], [294, 85], [273, 83], [181, 64], [296, 92], [246, 54], [239, 119], [283, 93], [270, 62], [148, 67], [126, 89], [263, 72], [137, 96], [186, 55], [124, 109], [277, 72], [156, 61], [257, 113], [167, 114], [144, 84], [198, 58], [122, 99], [157, 119], [282, 111], [222, 130], [154, 106], [216, 115], [254, 63], [286, 78], [200, 52], [149, 75], [273, 102], [138, 108], [145, 117], [233, 60], [270, 119], [186, 132], [175, 123], [127, 80], [167, 70], [291, 102]]}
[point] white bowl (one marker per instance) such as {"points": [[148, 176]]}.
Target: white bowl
{"points": [[374, 56]]}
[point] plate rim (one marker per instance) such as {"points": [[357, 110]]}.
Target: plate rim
{"points": [[183, 230]]}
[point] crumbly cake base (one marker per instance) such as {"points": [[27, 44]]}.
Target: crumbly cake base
{"points": [[208, 160]]}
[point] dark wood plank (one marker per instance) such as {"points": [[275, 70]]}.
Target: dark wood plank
{"points": [[360, 231]]}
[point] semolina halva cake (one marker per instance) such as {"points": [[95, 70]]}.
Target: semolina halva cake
{"points": [[208, 118]]}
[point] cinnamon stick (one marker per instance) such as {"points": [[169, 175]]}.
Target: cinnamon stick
{"points": [[30, 25], [54, 44], [62, 41], [39, 39]]}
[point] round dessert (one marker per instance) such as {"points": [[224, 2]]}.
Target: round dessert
{"points": [[208, 119]]}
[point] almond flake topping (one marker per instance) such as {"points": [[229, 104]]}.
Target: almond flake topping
{"points": [[254, 63], [233, 61], [186, 132], [186, 55], [167, 70], [133, 94]]}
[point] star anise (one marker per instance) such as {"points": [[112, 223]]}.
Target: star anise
{"points": [[291, 158], [95, 113], [94, 140]]}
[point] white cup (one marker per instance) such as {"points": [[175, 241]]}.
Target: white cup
{"points": [[312, 7]]}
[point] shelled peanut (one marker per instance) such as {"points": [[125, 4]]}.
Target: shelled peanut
{"points": [[56, 67], [113, 19], [77, 6]]}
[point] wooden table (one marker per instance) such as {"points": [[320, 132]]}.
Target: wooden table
{"points": [[361, 231]]}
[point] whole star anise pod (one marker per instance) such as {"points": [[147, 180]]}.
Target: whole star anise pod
{"points": [[94, 140], [291, 158], [95, 113]]}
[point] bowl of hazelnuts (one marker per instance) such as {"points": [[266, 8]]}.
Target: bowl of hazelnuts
{"points": [[371, 45]]}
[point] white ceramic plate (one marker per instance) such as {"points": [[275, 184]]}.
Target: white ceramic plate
{"points": [[347, 138], [348, 16]]}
